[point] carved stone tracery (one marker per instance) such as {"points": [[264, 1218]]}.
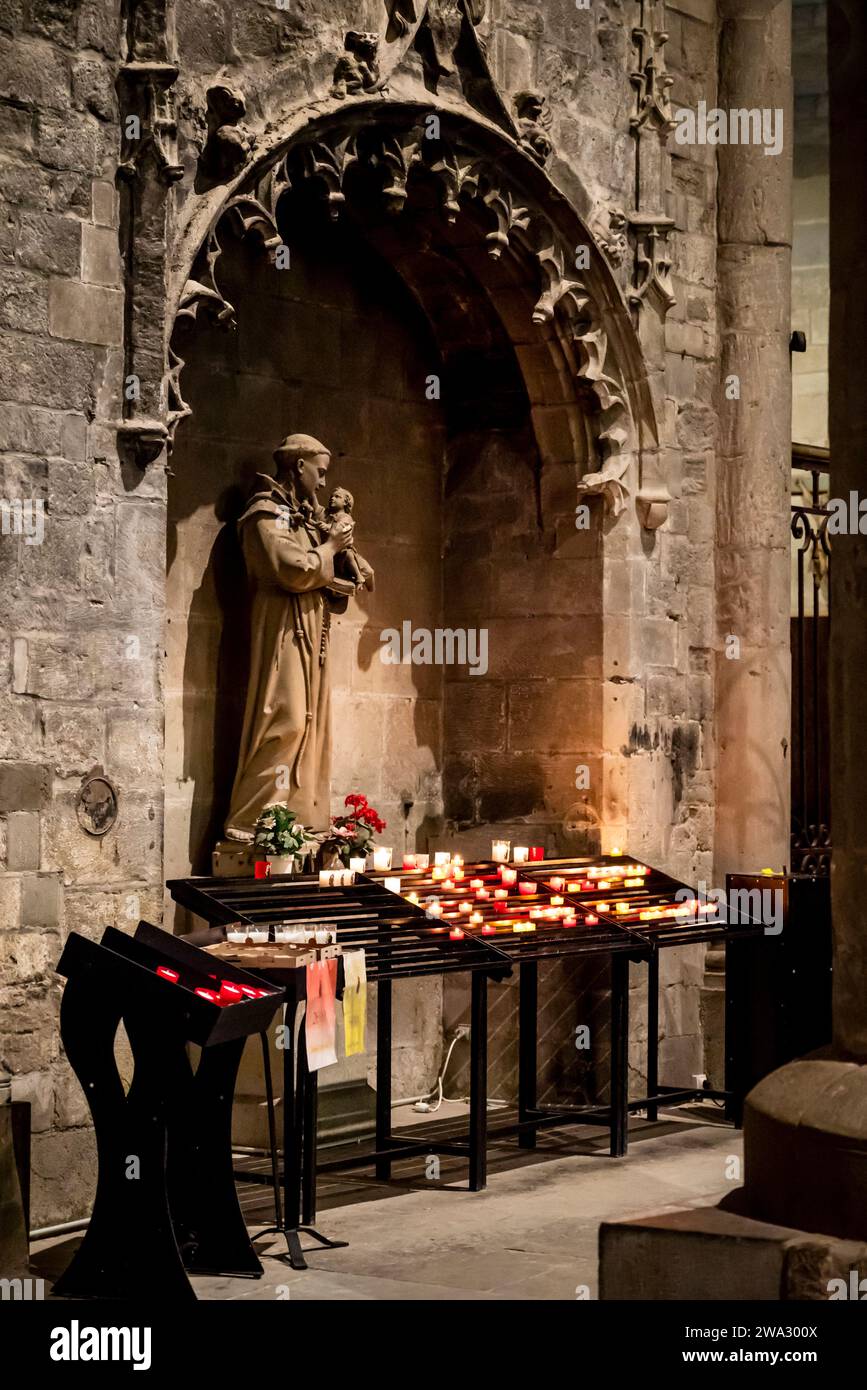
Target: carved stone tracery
{"points": [[510, 223]]}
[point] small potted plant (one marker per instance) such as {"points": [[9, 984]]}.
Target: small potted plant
{"points": [[351, 835], [280, 837]]}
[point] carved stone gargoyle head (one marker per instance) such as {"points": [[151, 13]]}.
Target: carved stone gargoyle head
{"points": [[534, 124], [357, 68], [228, 145]]}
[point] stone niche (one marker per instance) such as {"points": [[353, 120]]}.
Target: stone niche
{"points": [[415, 358]]}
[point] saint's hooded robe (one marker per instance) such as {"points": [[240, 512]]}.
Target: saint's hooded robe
{"points": [[285, 752]]}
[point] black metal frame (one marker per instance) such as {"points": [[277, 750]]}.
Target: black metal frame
{"points": [[402, 942]]}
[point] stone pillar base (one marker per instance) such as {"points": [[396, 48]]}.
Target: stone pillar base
{"points": [[708, 1254], [805, 1147]]}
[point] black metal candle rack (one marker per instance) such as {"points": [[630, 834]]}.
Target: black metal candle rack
{"points": [[400, 943], [166, 1203], [403, 939]]}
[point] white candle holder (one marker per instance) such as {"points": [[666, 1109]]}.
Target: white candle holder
{"points": [[382, 859], [500, 851], [521, 854], [392, 885]]}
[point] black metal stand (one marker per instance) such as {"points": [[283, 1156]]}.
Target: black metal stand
{"points": [[165, 1202], [300, 1113], [652, 1034]]}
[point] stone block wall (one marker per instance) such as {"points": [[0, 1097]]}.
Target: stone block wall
{"points": [[87, 616], [81, 612]]}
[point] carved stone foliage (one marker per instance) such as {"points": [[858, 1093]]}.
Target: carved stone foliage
{"points": [[609, 225], [228, 146], [649, 77], [443, 33], [652, 260], [395, 161]]}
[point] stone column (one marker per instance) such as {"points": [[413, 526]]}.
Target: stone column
{"points": [[847, 46], [753, 668]]}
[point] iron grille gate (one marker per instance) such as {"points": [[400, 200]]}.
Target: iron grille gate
{"points": [[810, 625]]}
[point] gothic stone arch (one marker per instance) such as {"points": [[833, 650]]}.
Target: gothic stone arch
{"points": [[483, 179]]}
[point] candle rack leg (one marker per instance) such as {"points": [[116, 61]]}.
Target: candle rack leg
{"points": [[528, 1027], [653, 1034], [619, 1054], [479, 1082]]}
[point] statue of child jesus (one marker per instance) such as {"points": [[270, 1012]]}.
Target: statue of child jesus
{"points": [[349, 564]]}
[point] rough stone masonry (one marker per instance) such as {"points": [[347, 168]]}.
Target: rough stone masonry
{"points": [[102, 231]]}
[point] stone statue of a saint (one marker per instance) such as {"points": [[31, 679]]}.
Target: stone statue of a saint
{"points": [[296, 563]]}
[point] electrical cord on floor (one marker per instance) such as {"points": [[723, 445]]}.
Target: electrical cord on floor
{"points": [[422, 1105]]}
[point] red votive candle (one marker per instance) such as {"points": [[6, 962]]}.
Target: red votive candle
{"points": [[527, 889], [262, 868], [249, 992], [230, 993], [409, 861], [208, 994], [591, 919], [167, 974], [456, 934], [537, 852], [509, 876], [501, 906], [570, 921], [489, 929]]}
